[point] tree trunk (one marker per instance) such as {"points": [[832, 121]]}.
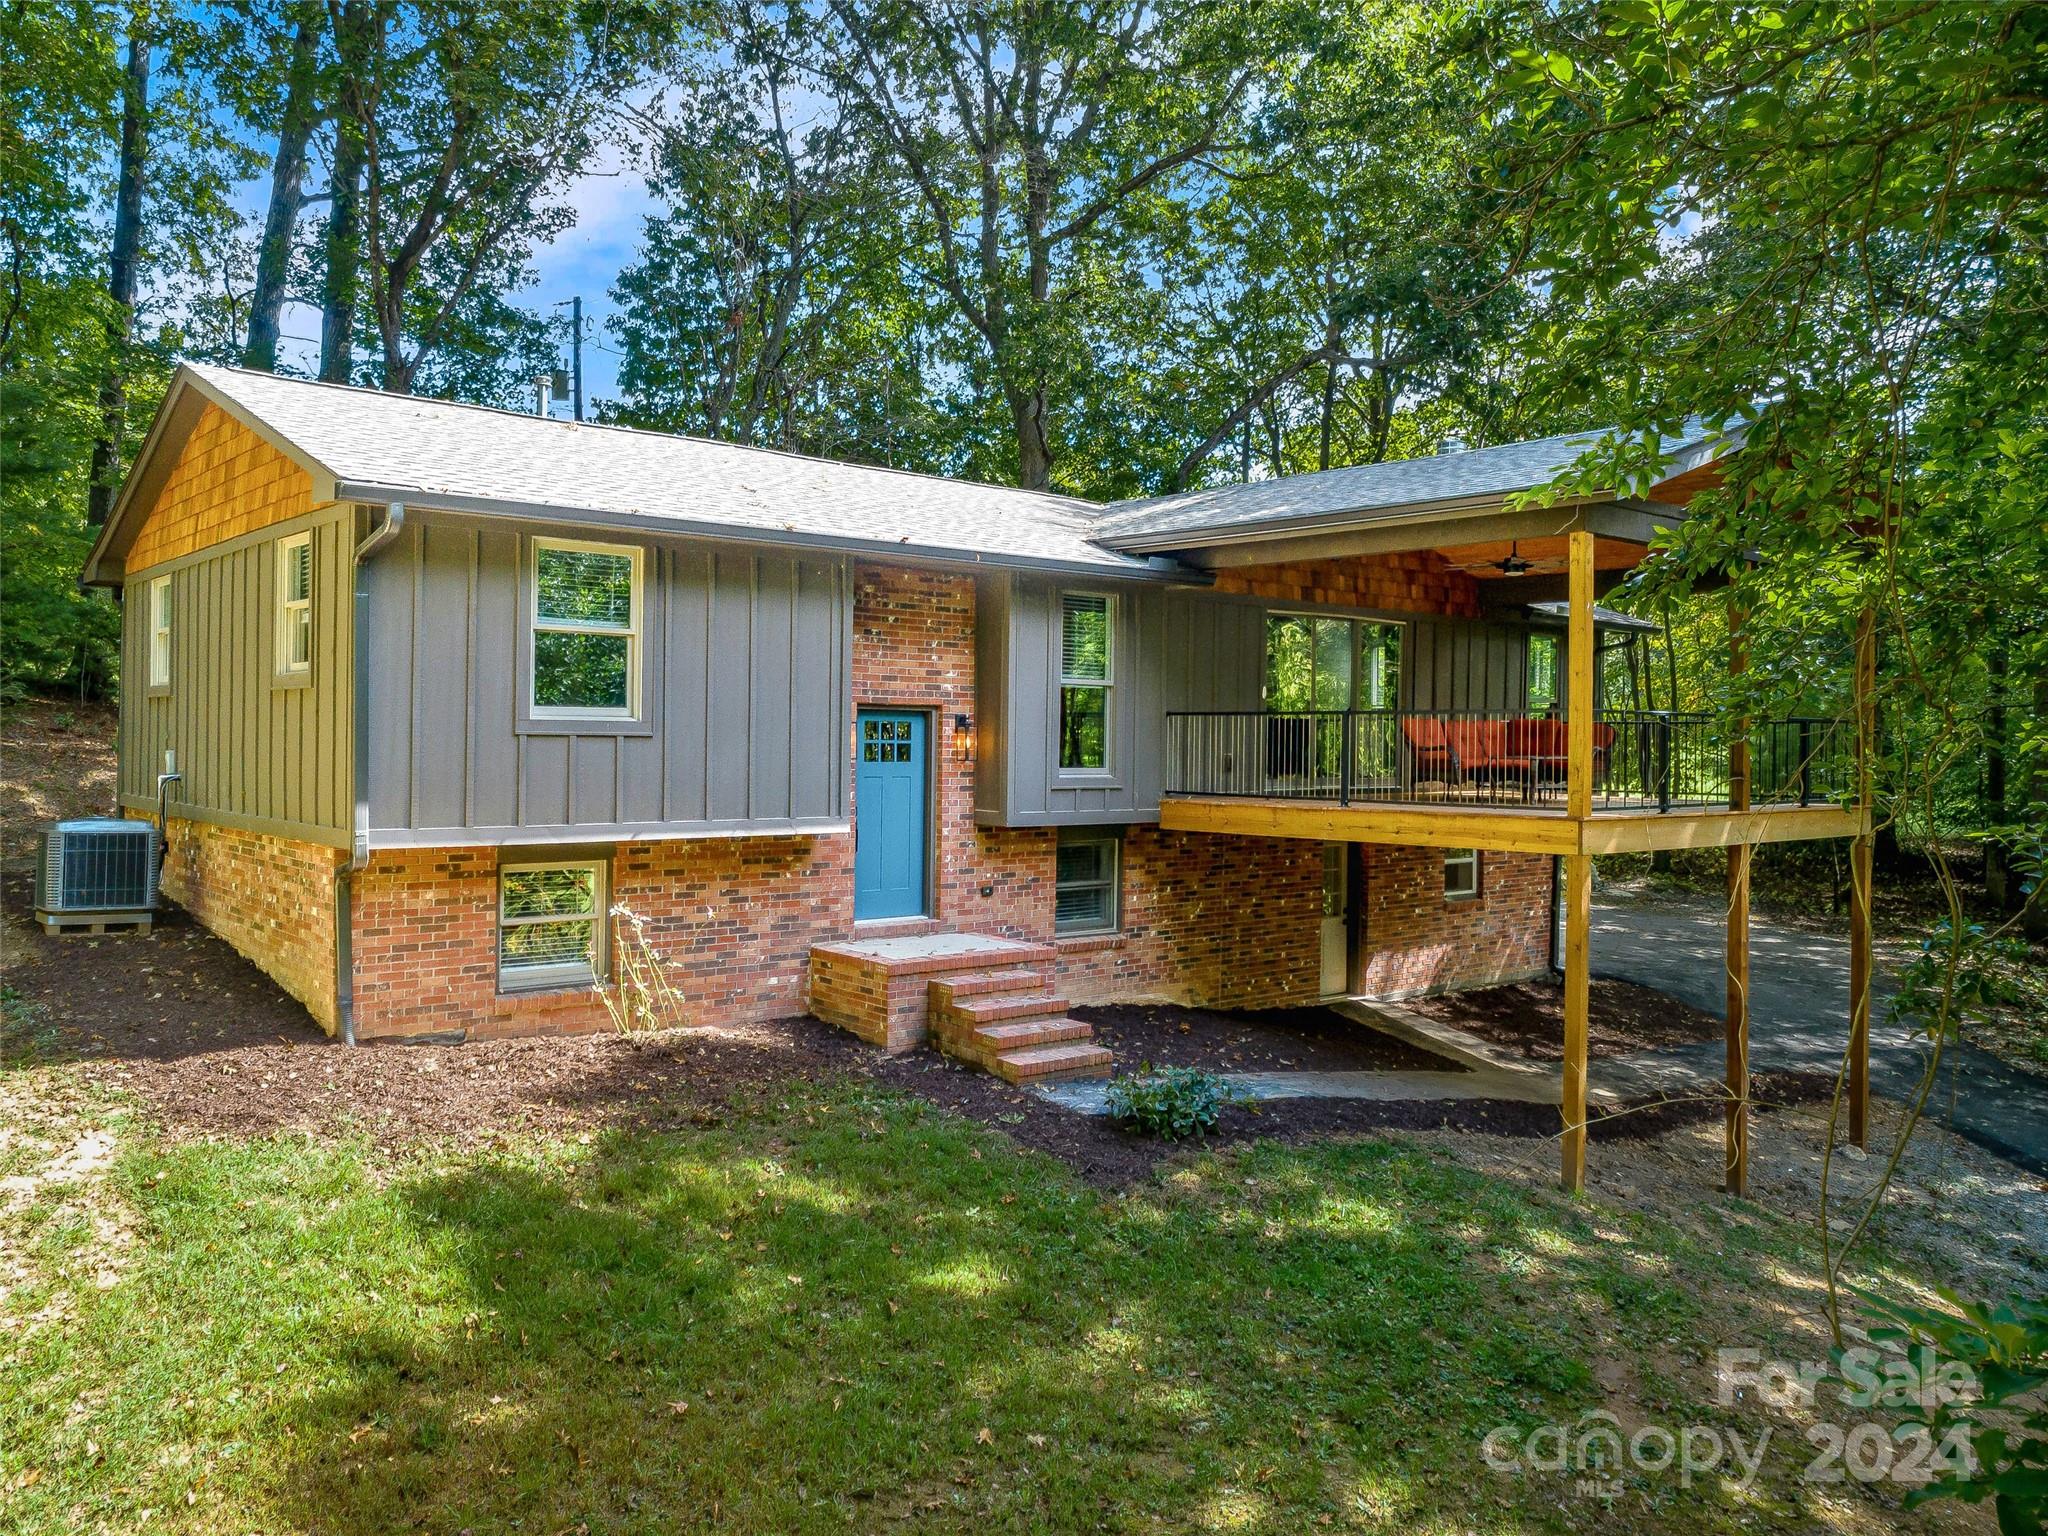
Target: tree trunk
{"points": [[1034, 452], [281, 219], [106, 451], [344, 245], [2035, 923], [1999, 886], [1329, 411]]}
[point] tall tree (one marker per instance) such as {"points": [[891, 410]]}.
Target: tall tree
{"points": [[122, 265], [359, 28], [1036, 139], [473, 120], [297, 117]]}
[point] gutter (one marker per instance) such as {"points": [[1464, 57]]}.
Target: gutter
{"points": [[1258, 531], [359, 766], [1123, 566]]}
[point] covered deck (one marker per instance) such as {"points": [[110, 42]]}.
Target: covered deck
{"points": [[1568, 779]]}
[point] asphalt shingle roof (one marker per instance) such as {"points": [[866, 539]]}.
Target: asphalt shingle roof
{"points": [[1362, 488], [441, 453]]}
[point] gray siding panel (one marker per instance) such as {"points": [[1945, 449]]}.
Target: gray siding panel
{"points": [[1180, 649], [745, 698], [254, 754]]}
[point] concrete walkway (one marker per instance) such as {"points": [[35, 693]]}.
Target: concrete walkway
{"points": [[1799, 1020], [1387, 1087]]}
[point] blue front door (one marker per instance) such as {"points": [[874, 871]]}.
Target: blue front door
{"points": [[889, 815]]}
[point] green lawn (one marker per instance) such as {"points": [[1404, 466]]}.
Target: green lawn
{"points": [[836, 1311]]}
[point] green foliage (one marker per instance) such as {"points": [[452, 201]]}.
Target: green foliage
{"points": [[1169, 1102], [1960, 975], [2003, 1350]]}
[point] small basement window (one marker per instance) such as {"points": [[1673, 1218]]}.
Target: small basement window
{"points": [[1086, 881], [295, 605], [1086, 622], [550, 925], [1461, 873], [587, 601], [160, 632]]}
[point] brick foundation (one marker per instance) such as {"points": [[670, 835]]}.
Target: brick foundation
{"points": [[269, 897], [1417, 942], [735, 916]]}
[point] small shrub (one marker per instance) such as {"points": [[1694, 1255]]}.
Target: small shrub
{"points": [[1170, 1102], [638, 994]]}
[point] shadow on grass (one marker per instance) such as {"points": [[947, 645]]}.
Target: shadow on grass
{"points": [[885, 1316], [842, 1311]]}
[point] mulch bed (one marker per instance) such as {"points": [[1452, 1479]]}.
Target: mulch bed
{"points": [[1527, 1018], [1272, 1040], [214, 1049]]}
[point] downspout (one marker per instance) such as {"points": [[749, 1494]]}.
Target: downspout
{"points": [[359, 715]]}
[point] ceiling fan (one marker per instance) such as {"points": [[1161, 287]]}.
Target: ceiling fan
{"points": [[1514, 563]]}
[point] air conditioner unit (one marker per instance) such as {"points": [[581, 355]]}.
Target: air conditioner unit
{"points": [[96, 871]]}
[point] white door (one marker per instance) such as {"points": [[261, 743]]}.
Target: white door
{"points": [[1336, 919]]}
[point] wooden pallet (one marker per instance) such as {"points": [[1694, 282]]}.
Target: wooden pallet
{"points": [[58, 923]]}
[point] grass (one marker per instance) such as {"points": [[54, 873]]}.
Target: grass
{"points": [[834, 1311]]}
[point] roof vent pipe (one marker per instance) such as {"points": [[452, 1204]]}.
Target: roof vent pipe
{"points": [[543, 395]]}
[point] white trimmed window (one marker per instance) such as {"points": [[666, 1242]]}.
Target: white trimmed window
{"points": [[587, 602], [160, 632], [295, 605], [1086, 881], [1461, 873], [1087, 623], [550, 925]]}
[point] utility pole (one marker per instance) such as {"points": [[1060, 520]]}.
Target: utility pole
{"points": [[575, 351]]}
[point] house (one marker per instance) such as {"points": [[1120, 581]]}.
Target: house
{"points": [[441, 685]]}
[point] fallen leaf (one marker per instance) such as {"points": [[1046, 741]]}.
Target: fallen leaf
{"points": [[984, 1436]]}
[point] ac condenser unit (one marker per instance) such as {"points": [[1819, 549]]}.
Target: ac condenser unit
{"points": [[96, 871]]}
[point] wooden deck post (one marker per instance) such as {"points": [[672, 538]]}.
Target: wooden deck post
{"points": [[1579, 680], [1578, 867], [1859, 883], [1735, 1133], [1578, 921]]}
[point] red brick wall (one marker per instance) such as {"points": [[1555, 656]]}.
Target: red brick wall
{"points": [[1416, 941], [736, 916], [1417, 582], [270, 897]]}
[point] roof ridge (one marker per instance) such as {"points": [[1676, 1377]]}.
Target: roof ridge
{"points": [[1088, 510]]}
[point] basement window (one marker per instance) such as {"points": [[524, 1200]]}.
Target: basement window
{"points": [[1461, 874], [1086, 881], [1086, 622], [587, 602], [550, 925], [160, 632], [295, 606]]}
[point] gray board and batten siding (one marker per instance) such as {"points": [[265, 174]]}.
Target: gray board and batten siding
{"points": [[745, 696], [255, 750], [1175, 649]]}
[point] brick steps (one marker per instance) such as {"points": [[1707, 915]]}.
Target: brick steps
{"points": [[1052, 1063], [1005, 1021], [984, 1001]]}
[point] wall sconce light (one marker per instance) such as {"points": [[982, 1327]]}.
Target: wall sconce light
{"points": [[963, 738]]}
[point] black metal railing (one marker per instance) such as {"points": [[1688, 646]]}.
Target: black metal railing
{"points": [[1642, 759]]}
